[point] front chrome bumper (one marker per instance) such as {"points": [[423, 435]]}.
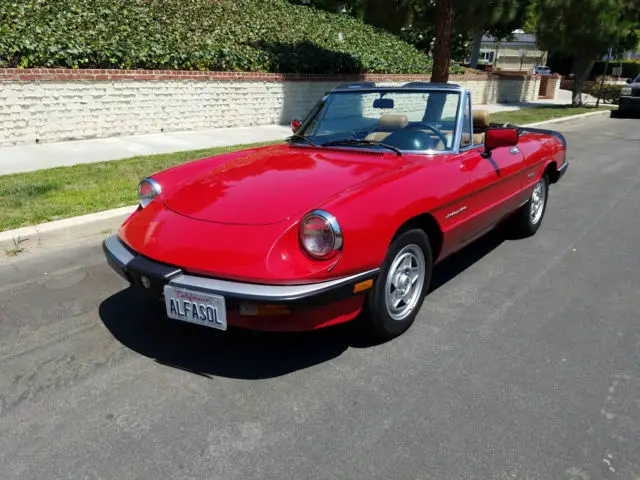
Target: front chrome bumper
{"points": [[153, 276]]}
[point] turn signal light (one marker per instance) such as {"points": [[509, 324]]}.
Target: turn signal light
{"points": [[362, 286]]}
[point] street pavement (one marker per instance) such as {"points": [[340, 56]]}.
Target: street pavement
{"points": [[523, 363], [26, 158]]}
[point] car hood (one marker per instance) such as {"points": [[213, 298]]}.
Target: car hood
{"points": [[272, 185]]}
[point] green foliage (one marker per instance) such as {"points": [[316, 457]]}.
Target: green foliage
{"points": [[630, 68], [498, 18], [586, 28], [223, 35], [531, 17], [610, 92]]}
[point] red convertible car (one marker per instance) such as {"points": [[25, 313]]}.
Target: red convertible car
{"points": [[345, 219]]}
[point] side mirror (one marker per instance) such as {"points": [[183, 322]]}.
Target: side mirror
{"points": [[500, 137], [629, 81], [295, 125]]}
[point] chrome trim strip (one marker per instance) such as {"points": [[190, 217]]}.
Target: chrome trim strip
{"points": [[254, 291], [456, 212], [249, 291], [564, 166], [118, 251]]}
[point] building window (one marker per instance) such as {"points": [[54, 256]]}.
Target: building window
{"points": [[487, 56]]}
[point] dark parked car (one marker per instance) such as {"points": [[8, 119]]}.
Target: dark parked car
{"points": [[630, 98]]}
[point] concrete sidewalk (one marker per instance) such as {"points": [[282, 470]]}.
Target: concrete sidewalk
{"points": [[24, 158]]}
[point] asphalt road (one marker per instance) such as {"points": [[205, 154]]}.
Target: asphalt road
{"points": [[524, 363]]}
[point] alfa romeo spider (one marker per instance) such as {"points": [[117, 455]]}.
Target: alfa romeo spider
{"points": [[344, 219]]}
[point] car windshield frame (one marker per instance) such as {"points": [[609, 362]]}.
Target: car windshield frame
{"points": [[317, 112]]}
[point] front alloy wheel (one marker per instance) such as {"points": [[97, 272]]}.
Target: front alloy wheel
{"points": [[528, 217], [538, 201], [402, 284]]}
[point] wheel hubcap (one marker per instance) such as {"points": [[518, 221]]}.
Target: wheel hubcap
{"points": [[404, 282], [537, 202]]}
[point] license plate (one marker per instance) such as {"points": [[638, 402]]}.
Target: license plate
{"points": [[195, 307]]}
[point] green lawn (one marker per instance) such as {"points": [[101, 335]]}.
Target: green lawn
{"points": [[45, 195], [540, 114], [35, 197]]}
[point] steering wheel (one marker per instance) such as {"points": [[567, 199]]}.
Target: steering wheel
{"points": [[411, 139], [435, 131]]}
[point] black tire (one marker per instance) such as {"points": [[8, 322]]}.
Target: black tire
{"points": [[524, 224], [377, 317]]}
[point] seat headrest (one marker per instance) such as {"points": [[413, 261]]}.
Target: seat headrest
{"points": [[392, 121], [481, 118]]}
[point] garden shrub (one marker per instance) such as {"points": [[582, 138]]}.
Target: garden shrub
{"points": [[610, 92], [219, 35]]}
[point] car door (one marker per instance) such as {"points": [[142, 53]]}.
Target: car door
{"points": [[495, 181]]}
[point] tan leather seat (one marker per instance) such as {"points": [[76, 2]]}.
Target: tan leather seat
{"points": [[388, 123], [481, 120]]}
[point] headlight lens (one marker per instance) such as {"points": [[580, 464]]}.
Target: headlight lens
{"points": [[320, 234], [625, 91], [148, 189]]}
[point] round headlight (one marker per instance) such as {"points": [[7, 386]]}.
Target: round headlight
{"points": [[320, 234], [148, 189]]}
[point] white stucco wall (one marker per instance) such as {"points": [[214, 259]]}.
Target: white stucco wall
{"points": [[53, 110]]}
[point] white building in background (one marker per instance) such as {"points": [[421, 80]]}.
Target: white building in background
{"points": [[519, 53]]}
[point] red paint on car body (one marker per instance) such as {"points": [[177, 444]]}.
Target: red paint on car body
{"points": [[236, 216]]}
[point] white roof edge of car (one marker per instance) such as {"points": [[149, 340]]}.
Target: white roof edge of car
{"points": [[371, 86]]}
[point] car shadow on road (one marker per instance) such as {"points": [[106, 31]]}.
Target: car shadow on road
{"points": [[463, 259], [140, 324]]}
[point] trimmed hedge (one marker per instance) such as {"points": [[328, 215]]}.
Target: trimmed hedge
{"points": [[610, 92], [220, 35]]}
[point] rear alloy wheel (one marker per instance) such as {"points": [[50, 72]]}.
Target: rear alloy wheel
{"points": [[402, 284], [528, 217]]}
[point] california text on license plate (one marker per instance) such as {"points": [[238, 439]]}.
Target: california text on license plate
{"points": [[195, 307]]}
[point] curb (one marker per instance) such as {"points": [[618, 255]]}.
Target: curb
{"points": [[568, 120], [61, 232]]}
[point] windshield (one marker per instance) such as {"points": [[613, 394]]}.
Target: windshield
{"points": [[401, 120]]}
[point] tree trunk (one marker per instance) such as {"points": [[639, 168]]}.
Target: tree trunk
{"points": [[442, 46], [475, 51], [581, 69]]}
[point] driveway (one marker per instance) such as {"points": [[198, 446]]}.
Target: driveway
{"points": [[524, 363]]}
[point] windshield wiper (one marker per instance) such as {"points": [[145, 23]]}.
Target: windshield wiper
{"points": [[306, 139], [365, 141]]}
